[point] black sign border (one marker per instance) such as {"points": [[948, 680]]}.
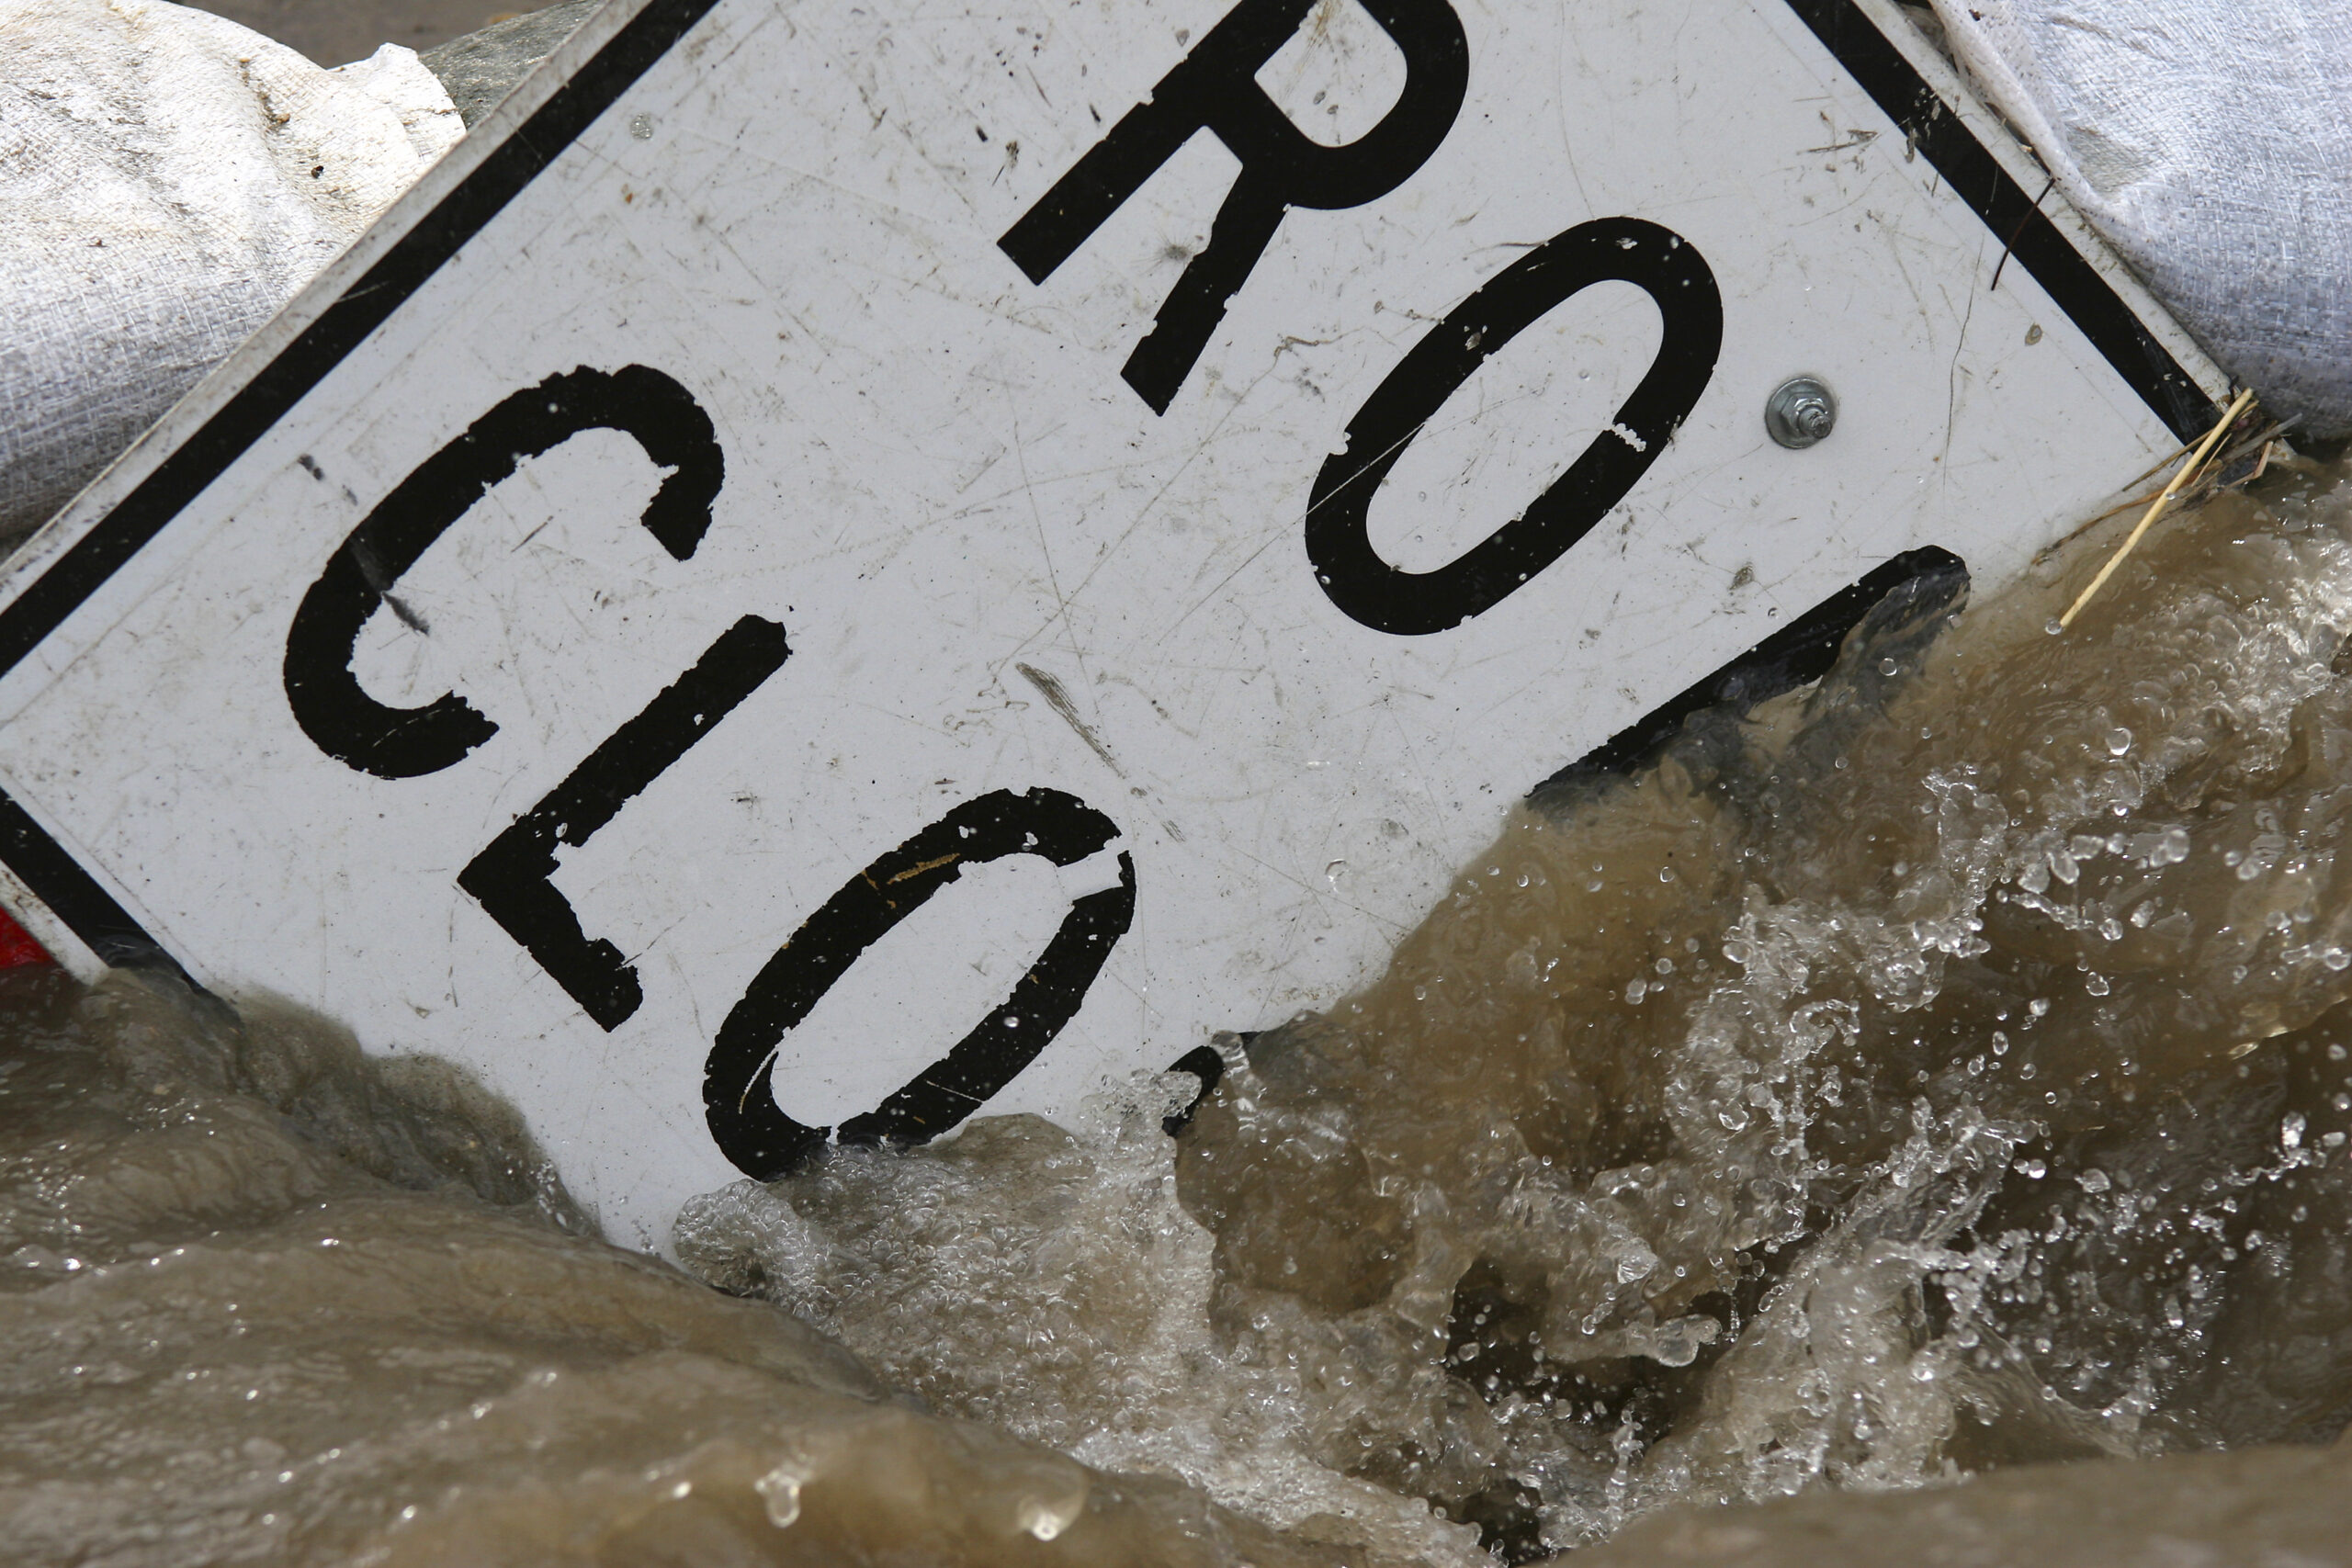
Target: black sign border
{"points": [[99, 920]]}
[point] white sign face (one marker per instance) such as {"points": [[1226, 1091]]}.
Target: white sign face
{"points": [[837, 564]]}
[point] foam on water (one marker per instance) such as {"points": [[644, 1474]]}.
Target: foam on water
{"points": [[1933, 1073], [1936, 1070]]}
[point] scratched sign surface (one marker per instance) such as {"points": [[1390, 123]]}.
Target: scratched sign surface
{"points": [[839, 563]]}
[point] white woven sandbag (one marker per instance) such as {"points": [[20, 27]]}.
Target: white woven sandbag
{"points": [[167, 180], [2211, 145]]}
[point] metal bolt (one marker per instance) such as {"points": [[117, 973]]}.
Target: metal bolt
{"points": [[1799, 413]]}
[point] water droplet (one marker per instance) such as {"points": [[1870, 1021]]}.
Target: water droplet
{"points": [[1043, 1519], [2119, 742], [780, 1489]]}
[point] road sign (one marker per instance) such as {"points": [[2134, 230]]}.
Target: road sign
{"points": [[835, 565]]}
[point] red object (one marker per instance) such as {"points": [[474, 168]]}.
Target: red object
{"points": [[17, 947]]}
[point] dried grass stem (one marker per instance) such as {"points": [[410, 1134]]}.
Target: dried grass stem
{"points": [[2163, 498]]}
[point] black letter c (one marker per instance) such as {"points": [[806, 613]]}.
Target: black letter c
{"points": [[399, 743]]}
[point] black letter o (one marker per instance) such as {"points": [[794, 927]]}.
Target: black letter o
{"points": [[1411, 603], [754, 1132]]}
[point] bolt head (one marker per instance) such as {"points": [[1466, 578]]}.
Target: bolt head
{"points": [[1800, 412]]}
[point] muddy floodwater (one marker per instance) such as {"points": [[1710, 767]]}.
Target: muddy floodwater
{"points": [[1903, 1124]]}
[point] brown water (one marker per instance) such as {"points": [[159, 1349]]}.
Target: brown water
{"points": [[1939, 1075]]}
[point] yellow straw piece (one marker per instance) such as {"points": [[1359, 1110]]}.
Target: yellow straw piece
{"points": [[2163, 498]]}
